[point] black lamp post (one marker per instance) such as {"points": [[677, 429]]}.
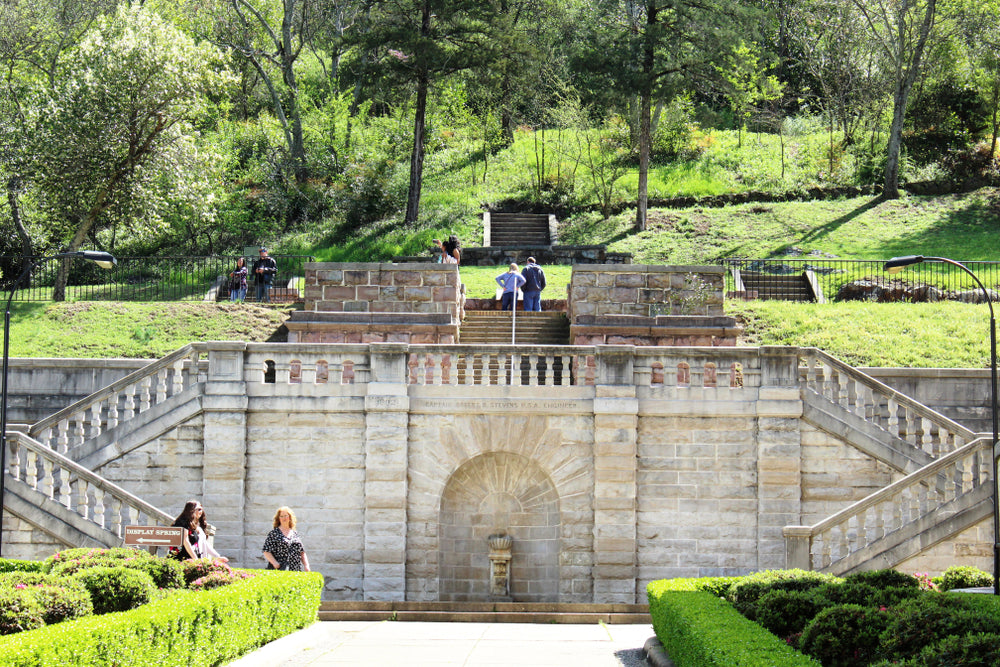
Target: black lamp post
{"points": [[104, 260], [897, 264]]}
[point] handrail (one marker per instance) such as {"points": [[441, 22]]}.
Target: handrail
{"points": [[903, 503], [928, 471], [879, 404], [75, 487], [102, 405]]}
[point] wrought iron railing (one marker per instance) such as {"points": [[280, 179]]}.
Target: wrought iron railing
{"points": [[140, 278], [832, 274]]}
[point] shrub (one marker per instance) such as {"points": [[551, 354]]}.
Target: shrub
{"points": [[718, 586], [786, 613], [971, 649], [201, 568], [210, 628], [165, 572], [697, 628], [117, 588], [844, 636], [964, 576], [216, 579], [745, 592], [883, 579], [19, 611], [60, 603], [858, 592], [14, 565], [917, 623]]}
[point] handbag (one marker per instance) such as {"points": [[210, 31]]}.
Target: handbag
{"points": [[281, 566]]}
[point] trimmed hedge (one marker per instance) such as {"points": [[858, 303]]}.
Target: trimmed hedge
{"points": [[14, 565], [699, 629], [211, 627]]}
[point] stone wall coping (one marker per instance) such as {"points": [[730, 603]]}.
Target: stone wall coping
{"points": [[378, 266], [301, 317], [977, 373], [75, 363], [669, 321], [648, 268]]}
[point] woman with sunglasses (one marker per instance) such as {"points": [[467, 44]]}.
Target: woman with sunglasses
{"points": [[195, 545]]}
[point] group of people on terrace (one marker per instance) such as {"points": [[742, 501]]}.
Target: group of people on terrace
{"points": [[530, 281]]}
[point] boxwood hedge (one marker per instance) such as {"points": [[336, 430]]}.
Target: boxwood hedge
{"points": [[699, 629], [211, 627]]}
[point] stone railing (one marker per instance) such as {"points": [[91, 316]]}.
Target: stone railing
{"points": [[77, 488], [306, 364], [881, 405], [533, 366], [686, 368], [121, 401], [901, 506]]}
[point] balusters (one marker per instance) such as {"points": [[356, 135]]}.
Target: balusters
{"points": [[892, 424], [95, 420], [31, 469], [144, 394], [550, 376], [82, 501], [99, 506], [79, 434], [45, 437], [64, 487], [177, 377], [827, 556], [116, 516], [161, 385], [14, 453], [48, 479], [129, 410], [113, 411]]}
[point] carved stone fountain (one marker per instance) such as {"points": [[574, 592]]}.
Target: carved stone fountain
{"points": [[500, 544]]}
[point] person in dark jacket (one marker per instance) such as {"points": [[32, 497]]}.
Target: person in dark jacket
{"points": [[263, 271], [238, 281], [534, 283]]}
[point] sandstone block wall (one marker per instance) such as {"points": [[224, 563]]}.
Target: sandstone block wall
{"points": [[382, 288]]}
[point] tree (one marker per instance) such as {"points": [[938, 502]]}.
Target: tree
{"points": [[111, 139], [653, 49], [901, 28], [422, 41], [749, 84]]}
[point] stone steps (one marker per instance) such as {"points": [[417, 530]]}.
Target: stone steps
{"points": [[484, 612], [519, 229], [531, 328], [794, 287]]}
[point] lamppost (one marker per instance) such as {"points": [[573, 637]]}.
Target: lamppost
{"points": [[897, 264], [103, 259]]}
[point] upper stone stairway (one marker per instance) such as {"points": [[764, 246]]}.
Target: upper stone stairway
{"points": [[518, 229], [789, 287], [493, 327]]}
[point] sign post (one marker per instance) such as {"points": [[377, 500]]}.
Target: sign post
{"points": [[154, 537]]}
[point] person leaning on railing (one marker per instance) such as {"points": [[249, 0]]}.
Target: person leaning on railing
{"points": [[263, 272]]}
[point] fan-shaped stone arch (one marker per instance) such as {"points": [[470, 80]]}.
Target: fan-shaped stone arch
{"points": [[499, 492]]}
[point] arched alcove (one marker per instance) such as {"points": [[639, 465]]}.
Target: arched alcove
{"points": [[499, 492]]}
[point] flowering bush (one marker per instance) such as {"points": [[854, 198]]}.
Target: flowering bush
{"points": [[219, 578], [202, 567], [925, 582], [19, 610]]}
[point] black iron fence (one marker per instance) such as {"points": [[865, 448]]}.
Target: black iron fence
{"points": [[832, 274], [139, 278]]}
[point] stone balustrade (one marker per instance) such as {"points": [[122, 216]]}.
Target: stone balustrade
{"points": [[953, 484], [880, 405], [120, 401], [76, 488]]}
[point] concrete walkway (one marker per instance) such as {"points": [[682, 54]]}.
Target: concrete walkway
{"points": [[388, 643]]}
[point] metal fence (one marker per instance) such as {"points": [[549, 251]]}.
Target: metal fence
{"points": [[138, 278], [832, 274]]}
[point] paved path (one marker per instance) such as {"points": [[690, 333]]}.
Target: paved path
{"points": [[388, 643]]}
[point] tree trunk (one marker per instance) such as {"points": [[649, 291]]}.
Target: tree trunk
{"points": [[645, 111], [891, 185], [288, 57], [417, 157], [15, 215], [62, 276]]}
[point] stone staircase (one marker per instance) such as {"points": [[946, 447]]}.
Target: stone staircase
{"points": [[484, 612], [518, 229], [790, 287], [947, 488], [493, 327]]}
